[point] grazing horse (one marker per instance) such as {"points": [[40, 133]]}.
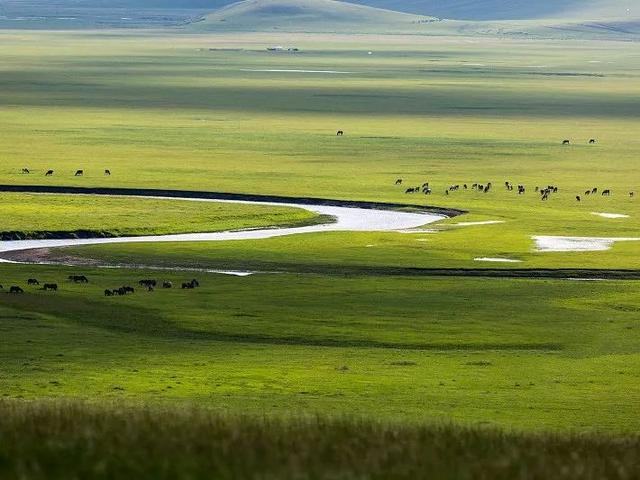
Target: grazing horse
{"points": [[79, 173], [167, 284], [399, 181], [16, 289], [49, 173], [107, 173], [592, 141], [50, 286], [578, 198], [33, 281], [191, 285], [26, 171], [78, 278], [339, 133], [566, 142]]}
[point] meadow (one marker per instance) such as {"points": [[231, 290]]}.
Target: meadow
{"points": [[28, 216], [346, 328]]}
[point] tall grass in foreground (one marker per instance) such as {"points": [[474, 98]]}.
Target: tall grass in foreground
{"points": [[79, 441]]}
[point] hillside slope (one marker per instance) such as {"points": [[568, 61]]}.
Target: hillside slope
{"points": [[308, 15], [512, 9]]}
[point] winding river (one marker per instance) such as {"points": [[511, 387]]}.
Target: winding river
{"points": [[347, 218]]}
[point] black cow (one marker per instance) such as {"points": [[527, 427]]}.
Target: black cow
{"points": [[192, 284], [107, 172], [108, 293], [33, 281], [79, 173], [147, 283], [167, 284], [49, 173], [50, 286], [578, 198], [78, 278], [606, 193], [399, 181], [592, 141], [26, 171], [339, 133], [566, 142], [16, 289]]}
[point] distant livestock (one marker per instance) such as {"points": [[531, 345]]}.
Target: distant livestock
{"points": [[592, 141], [339, 133], [50, 286], [79, 173], [191, 285], [33, 281], [578, 198], [606, 193], [26, 171], [107, 173], [78, 278], [16, 289], [166, 284], [399, 181], [566, 142], [49, 173]]}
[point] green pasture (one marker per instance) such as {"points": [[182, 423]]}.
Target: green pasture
{"points": [[529, 354], [201, 112], [192, 112], [34, 216]]}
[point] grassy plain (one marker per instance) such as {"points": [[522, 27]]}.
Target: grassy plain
{"points": [[166, 111], [116, 441], [206, 112], [554, 355], [34, 216]]}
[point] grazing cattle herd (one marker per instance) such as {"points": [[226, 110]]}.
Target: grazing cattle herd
{"points": [[147, 284], [545, 192], [78, 173]]}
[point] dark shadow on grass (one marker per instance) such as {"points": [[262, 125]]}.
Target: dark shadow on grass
{"points": [[118, 315]]}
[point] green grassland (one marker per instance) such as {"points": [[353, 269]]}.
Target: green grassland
{"points": [[328, 336], [531, 354], [116, 441], [42, 216]]}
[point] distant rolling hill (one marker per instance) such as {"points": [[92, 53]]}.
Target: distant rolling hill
{"points": [[450, 9], [617, 19], [308, 15], [512, 9]]}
